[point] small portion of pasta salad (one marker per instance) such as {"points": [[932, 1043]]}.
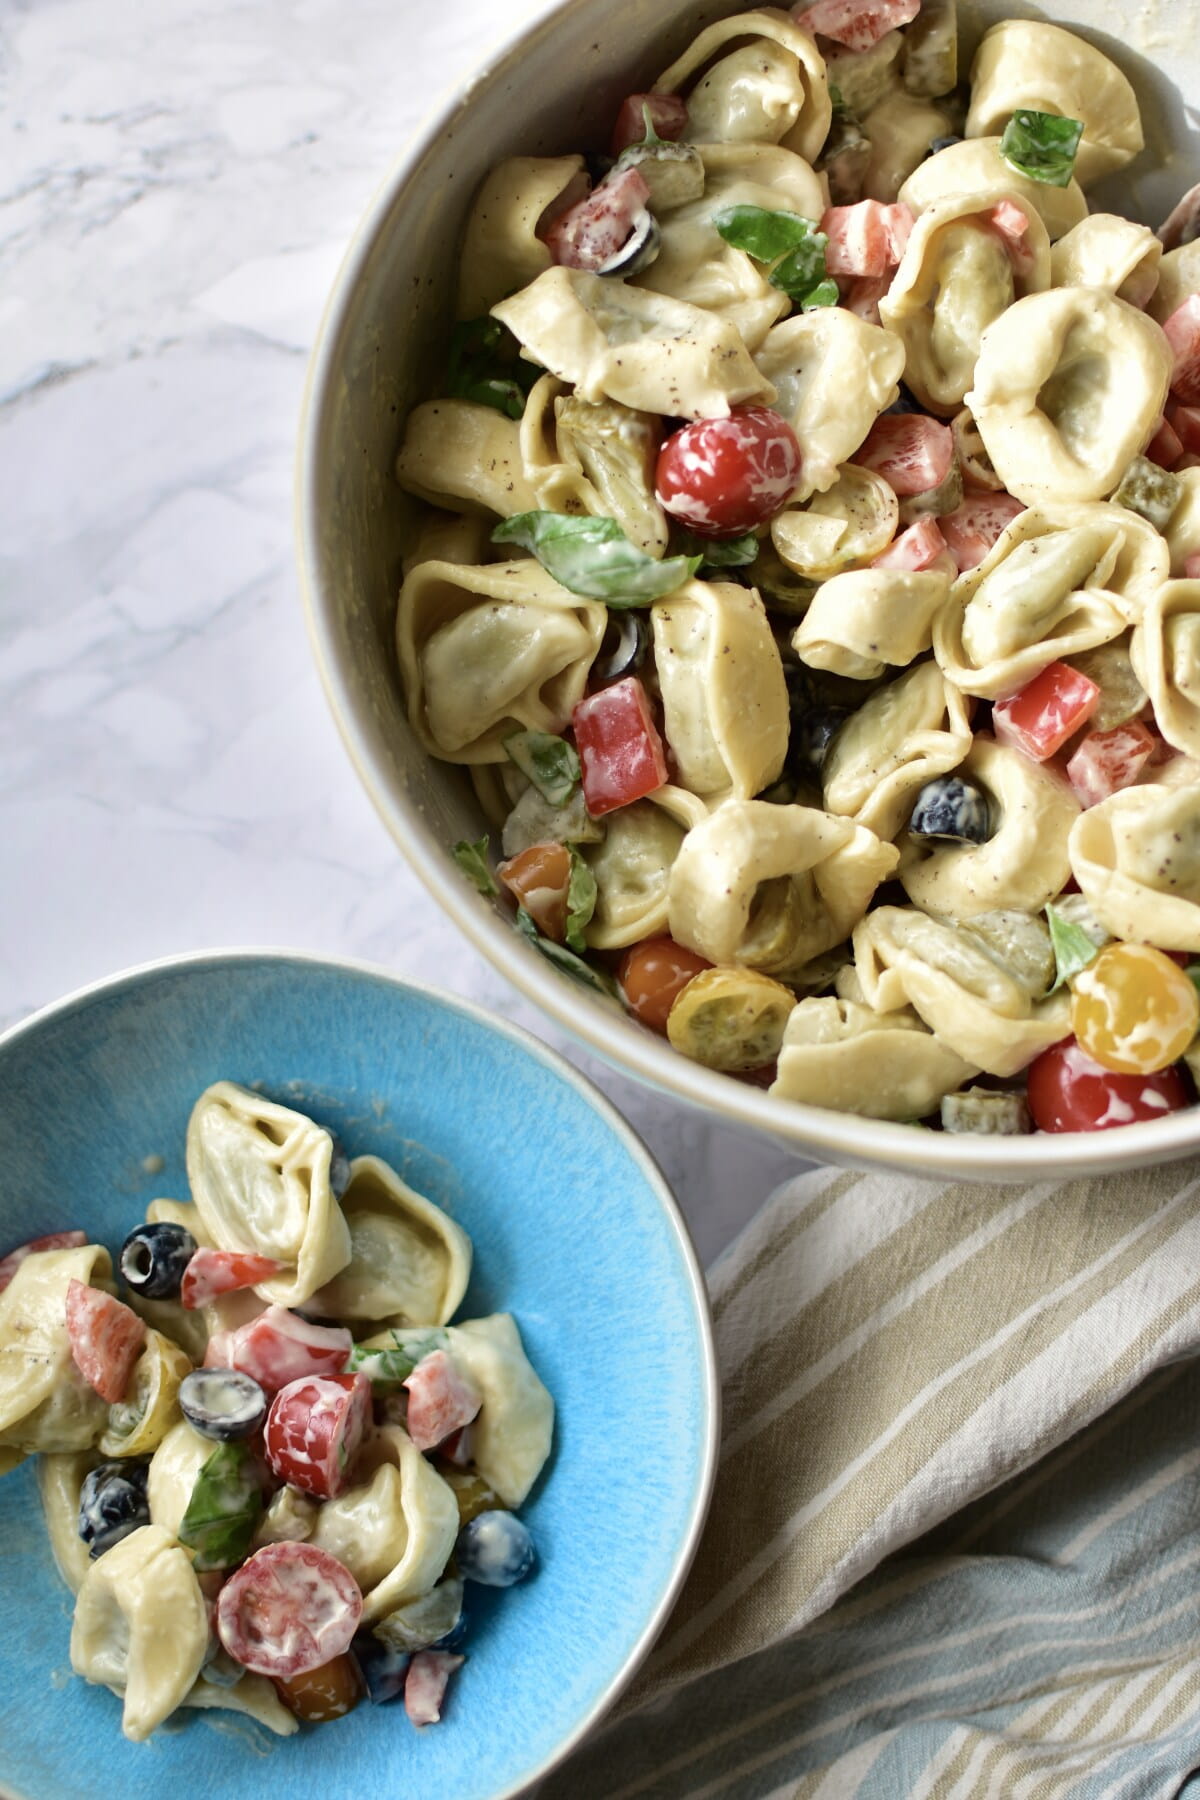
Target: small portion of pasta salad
{"points": [[808, 572], [272, 1474]]}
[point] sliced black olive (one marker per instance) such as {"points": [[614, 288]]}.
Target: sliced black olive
{"points": [[813, 731], [944, 143], [622, 649], [905, 402], [952, 810], [222, 1403], [112, 1503], [153, 1259], [639, 249]]}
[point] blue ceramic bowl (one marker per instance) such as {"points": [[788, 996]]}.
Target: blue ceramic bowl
{"points": [[575, 1232]]}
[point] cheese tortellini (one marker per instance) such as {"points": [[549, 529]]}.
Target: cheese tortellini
{"points": [[1026, 63], [885, 1065], [409, 1261], [1136, 857], [754, 78]]}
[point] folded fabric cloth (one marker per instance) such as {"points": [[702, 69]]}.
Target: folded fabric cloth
{"points": [[954, 1545]]}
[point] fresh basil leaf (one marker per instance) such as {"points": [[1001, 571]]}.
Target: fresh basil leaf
{"points": [[1042, 146], [472, 860], [581, 900], [802, 273], [824, 294], [764, 234], [224, 1509], [721, 553], [485, 367], [387, 1368], [1073, 948], [836, 99], [550, 763], [566, 960], [593, 557]]}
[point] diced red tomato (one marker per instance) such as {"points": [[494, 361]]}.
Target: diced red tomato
{"points": [[1191, 567], [279, 1347], [1164, 447], [913, 453], [314, 1430], [621, 755], [288, 1609], [328, 1692], [540, 878], [1183, 334], [590, 234], [858, 24], [867, 238], [106, 1338], [1107, 761], [917, 548], [652, 974], [1040, 717], [425, 1684], [1185, 422], [458, 1448], [54, 1240], [1067, 1091], [722, 477], [1011, 226], [862, 297], [441, 1400], [668, 115], [972, 529], [213, 1272]]}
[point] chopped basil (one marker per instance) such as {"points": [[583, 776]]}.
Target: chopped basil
{"points": [[472, 860], [1042, 146], [721, 553], [793, 244], [593, 557], [224, 1509], [1073, 948], [581, 900], [566, 960], [550, 763], [836, 99], [389, 1367], [484, 367]]}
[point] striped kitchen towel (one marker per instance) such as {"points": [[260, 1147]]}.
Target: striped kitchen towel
{"points": [[954, 1547]]}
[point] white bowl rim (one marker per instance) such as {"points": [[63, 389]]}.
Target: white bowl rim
{"points": [[626, 1136], [816, 1131]]}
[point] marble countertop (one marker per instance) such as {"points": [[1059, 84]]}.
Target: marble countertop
{"points": [[177, 185]]}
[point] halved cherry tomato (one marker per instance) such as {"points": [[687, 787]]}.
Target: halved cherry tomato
{"points": [[1067, 1091], [213, 1272], [290, 1608], [722, 477], [913, 453], [1040, 717], [327, 1692], [1183, 335], [590, 234], [105, 1337], [314, 1430], [1133, 1009], [1107, 761], [540, 877], [621, 755], [668, 115], [652, 973], [858, 24], [54, 1240]]}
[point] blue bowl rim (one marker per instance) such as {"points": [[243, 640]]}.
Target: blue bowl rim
{"points": [[607, 1112]]}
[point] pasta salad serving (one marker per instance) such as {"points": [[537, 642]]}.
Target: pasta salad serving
{"points": [[272, 1473], [808, 571]]}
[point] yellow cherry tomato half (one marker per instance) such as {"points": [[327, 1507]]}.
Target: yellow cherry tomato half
{"points": [[325, 1693], [1133, 1010]]}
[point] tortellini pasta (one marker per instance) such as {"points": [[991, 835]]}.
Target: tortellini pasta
{"points": [[771, 89], [594, 457], [60, 1476], [904, 735], [773, 887], [45, 1403], [976, 166], [511, 1437], [260, 1174], [843, 528], [900, 128], [867, 619], [841, 1054], [956, 277], [632, 866], [1106, 251], [616, 342], [1023, 864], [1165, 650], [724, 695], [458, 455], [1027, 63], [966, 997], [1069, 388], [141, 1627], [1136, 857], [833, 374], [174, 1467], [409, 1262], [501, 249], [488, 651]]}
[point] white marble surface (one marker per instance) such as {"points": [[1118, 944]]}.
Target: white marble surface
{"points": [[177, 183]]}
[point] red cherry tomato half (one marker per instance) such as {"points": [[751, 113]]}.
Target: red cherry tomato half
{"points": [[1069, 1092], [722, 477], [652, 973], [289, 1609], [314, 1430]]}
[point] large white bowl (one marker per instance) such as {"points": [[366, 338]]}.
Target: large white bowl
{"points": [[554, 87]]}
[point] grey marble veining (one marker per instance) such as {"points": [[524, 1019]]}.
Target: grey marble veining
{"points": [[177, 184]]}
